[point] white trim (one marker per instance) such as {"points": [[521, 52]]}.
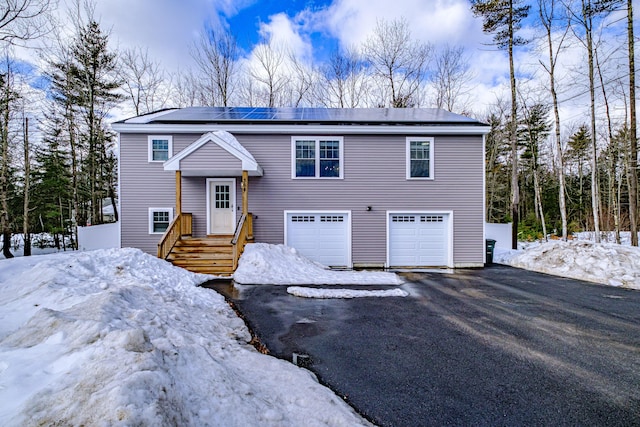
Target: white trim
{"points": [[119, 192], [224, 140], [314, 129], [427, 212], [232, 199], [317, 139], [323, 212], [484, 199], [150, 139], [431, 142], [148, 117], [151, 211]]}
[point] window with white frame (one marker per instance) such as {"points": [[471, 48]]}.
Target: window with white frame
{"points": [[316, 157], [160, 148], [159, 220], [419, 158]]}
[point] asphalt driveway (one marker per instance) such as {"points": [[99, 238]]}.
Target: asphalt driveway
{"points": [[498, 346]]}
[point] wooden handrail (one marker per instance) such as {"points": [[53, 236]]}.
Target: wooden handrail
{"points": [[243, 234], [180, 226]]}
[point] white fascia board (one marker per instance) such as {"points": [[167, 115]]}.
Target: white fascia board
{"points": [[302, 129], [148, 117]]}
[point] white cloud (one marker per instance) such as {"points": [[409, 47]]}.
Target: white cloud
{"points": [[166, 27], [281, 30], [438, 22]]}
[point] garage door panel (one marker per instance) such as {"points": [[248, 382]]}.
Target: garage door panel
{"points": [[322, 237], [417, 239]]}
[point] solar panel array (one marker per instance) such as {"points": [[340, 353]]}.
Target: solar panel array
{"points": [[320, 115]]}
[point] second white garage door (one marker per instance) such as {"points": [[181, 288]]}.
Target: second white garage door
{"points": [[324, 237], [418, 239]]}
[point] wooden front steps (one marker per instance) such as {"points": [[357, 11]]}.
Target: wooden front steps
{"points": [[209, 255]]}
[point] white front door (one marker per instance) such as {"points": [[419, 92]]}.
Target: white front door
{"points": [[221, 201]]}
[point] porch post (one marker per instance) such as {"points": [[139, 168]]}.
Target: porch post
{"points": [[245, 192], [178, 193]]}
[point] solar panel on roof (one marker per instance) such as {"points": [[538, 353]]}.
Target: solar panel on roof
{"points": [[320, 115], [259, 115]]}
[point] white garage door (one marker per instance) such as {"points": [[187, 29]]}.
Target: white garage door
{"points": [[419, 240], [321, 236]]}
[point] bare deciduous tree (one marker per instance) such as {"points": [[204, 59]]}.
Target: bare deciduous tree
{"points": [[22, 20], [186, 90], [146, 83], [398, 62], [344, 81], [268, 71], [300, 86], [632, 176], [451, 79], [547, 14], [216, 55]]}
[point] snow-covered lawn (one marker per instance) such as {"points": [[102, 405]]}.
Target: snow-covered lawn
{"points": [[117, 337], [606, 263]]}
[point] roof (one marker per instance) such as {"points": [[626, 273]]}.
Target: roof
{"points": [[227, 142], [263, 115]]}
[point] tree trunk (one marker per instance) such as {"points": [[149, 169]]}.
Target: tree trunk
{"points": [[112, 196], [538, 203], [609, 129], [5, 225], [513, 135], [26, 232], [547, 22], [632, 176], [595, 196], [74, 180]]}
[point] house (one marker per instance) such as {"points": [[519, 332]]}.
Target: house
{"points": [[345, 187]]}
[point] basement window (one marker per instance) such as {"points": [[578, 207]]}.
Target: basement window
{"points": [[159, 220]]}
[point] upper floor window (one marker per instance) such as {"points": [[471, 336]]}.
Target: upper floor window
{"points": [[419, 158], [317, 157], [160, 148]]}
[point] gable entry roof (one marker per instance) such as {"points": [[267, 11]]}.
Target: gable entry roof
{"points": [[225, 141]]}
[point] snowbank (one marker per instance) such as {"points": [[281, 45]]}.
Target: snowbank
{"points": [[344, 293], [118, 337], [606, 263], [606, 236], [265, 264]]}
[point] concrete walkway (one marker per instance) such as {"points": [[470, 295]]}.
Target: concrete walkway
{"points": [[493, 347]]}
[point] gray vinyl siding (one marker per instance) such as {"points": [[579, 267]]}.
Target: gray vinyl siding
{"points": [[374, 175], [210, 156]]}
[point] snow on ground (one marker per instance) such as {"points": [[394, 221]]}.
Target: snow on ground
{"points": [[306, 292], [262, 263], [605, 236], [606, 263], [117, 337]]}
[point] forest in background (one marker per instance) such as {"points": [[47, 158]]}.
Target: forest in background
{"points": [[561, 155]]}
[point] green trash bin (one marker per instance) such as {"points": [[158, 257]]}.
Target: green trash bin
{"points": [[490, 246]]}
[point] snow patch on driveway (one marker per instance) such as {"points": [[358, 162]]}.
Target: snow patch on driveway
{"points": [[344, 293]]}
